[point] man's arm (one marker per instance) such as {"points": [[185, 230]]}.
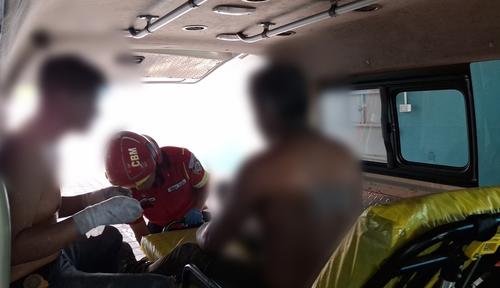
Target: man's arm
{"points": [[74, 204], [198, 179], [140, 229], [194, 216], [38, 242], [227, 224], [35, 234], [200, 197]]}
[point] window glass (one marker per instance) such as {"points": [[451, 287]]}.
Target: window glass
{"points": [[433, 127], [354, 118]]}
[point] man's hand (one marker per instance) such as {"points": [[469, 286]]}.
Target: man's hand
{"points": [[193, 218], [105, 194], [113, 191], [116, 210]]}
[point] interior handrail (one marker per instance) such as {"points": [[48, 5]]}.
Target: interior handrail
{"points": [[330, 13], [154, 25]]}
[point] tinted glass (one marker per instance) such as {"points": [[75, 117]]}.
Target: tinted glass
{"points": [[433, 127], [354, 117]]}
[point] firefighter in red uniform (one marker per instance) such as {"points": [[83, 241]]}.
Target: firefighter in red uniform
{"points": [[169, 182]]}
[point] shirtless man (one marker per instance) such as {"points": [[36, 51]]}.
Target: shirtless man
{"points": [[58, 251], [304, 190]]}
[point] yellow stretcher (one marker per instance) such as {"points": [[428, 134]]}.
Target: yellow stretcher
{"points": [[377, 235], [382, 230], [157, 245]]}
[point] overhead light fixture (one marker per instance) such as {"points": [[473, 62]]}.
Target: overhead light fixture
{"points": [[194, 28], [130, 59], [234, 10], [287, 33], [256, 1], [176, 66], [369, 8]]}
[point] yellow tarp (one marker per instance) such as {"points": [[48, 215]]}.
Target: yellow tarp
{"points": [[381, 230], [157, 245]]}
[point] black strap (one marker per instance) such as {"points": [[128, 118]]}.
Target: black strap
{"points": [[486, 226]]}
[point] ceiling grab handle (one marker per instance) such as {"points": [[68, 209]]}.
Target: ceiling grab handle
{"points": [[332, 12], [154, 25]]}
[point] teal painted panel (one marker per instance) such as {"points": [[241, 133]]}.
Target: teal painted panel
{"points": [[435, 131], [486, 90]]}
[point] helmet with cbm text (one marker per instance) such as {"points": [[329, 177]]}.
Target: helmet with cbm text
{"points": [[131, 159]]}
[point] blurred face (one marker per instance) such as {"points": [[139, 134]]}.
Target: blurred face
{"points": [[266, 118], [77, 111]]}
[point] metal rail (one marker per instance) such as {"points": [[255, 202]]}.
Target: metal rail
{"points": [[332, 12], [152, 26]]}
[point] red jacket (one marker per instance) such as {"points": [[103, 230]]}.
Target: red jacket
{"points": [[171, 196]]}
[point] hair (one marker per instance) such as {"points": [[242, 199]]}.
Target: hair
{"points": [[285, 88], [69, 73]]}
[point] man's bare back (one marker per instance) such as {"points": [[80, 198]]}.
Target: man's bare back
{"points": [[307, 194], [304, 191]]}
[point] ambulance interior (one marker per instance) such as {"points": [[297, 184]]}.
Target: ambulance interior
{"points": [[413, 87]]}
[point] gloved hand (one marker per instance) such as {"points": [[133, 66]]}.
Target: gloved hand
{"points": [[116, 210], [194, 217]]}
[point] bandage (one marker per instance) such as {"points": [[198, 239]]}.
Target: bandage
{"points": [[116, 210]]}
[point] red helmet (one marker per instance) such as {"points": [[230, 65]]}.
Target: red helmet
{"points": [[131, 158]]}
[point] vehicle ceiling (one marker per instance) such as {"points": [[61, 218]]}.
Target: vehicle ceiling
{"points": [[403, 34]]}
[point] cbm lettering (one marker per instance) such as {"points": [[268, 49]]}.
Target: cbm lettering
{"points": [[134, 157]]}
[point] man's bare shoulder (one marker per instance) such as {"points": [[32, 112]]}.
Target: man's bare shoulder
{"points": [[266, 161], [274, 169], [256, 172], [15, 153], [251, 167], [21, 160], [315, 137], [314, 157], [311, 145], [9, 153]]}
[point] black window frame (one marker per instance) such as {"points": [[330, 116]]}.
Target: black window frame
{"points": [[456, 77]]}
